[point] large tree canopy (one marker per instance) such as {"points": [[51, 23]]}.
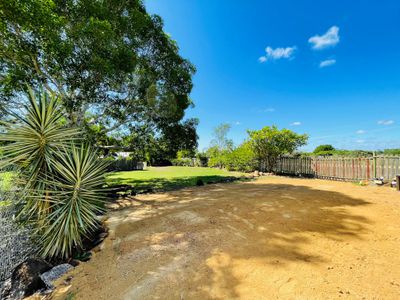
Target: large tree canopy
{"points": [[109, 61]]}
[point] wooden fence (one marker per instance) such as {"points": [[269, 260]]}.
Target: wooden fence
{"points": [[341, 168]]}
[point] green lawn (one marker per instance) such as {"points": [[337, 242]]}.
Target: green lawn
{"points": [[168, 178]]}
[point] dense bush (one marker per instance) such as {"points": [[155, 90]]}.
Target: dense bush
{"points": [[241, 159], [324, 150], [202, 159], [185, 158], [217, 157], [391, 152], [184, 162]]}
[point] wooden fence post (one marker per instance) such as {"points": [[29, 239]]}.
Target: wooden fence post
{"points": [[374, 163], [398, 182]]}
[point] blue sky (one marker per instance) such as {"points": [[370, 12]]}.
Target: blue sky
{"points": [[327, 68]]}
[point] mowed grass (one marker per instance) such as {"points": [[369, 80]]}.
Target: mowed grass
{"points": [[169, 178]]}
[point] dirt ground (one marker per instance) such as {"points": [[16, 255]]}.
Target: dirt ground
{"points": [[274, 238]]}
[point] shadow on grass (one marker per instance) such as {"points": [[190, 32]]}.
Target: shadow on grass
{"points": [[169, 184]]}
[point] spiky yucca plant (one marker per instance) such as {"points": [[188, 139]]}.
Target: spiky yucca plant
{"points": [[33, 138], [76, 196], [62, 179]]}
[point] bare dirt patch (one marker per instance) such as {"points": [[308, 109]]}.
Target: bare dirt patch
{"points": [[275, 238]]}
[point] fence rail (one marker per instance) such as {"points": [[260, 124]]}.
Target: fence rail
{"points": [[340, 168]]}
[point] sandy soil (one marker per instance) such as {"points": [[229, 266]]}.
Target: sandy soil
{"points": [[275, 238]]}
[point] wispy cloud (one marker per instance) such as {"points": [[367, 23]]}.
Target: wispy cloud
{"points": [[327, 63], [328, 39], [385, 122], [295, 124], [360, 141], [361, 131], [270, 109], [277, 53], [238, 123]]}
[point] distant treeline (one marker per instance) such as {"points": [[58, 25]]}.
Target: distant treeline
{"points": [[329, 150]]}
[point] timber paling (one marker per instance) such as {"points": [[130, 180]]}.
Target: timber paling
{"points": [[340, 168]]}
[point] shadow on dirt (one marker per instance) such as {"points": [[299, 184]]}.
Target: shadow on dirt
{"points": [[222, 224], [200, 242]]}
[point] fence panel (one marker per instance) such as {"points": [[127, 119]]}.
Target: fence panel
{"points": [[341, 168]]}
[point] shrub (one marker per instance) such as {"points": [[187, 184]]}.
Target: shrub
{"points": [[183, 162], [62, 179], [202, 159], [217, 157], [324, 150], [241, 159]]}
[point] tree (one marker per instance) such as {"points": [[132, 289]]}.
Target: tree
{"points": [[220, 146], [324, 150], [391, 152], [110, 62], [159, 148], [270, 143], [220, 140]]}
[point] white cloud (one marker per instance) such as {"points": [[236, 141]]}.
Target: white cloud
{"points": [[385, 122], [329, 39], [277, 53], [360, 141], [295, 124], [361, 131], [327, 63], [237, 123], [262, 59]]}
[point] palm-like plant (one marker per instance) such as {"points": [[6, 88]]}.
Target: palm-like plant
{"points": [[76, 198], [62, 180], [32, 140]]}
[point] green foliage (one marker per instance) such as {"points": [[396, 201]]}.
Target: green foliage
{"points": [[324, 150], [352, 153], [270, 143], [220, 146], [76, 198], [184, 162], [217, 157], [183, 154], [187, 159], [391, 152], [110, 62], [241, 159], [31, 143], [202, 159], [221, 140], [61, 179], [162, 147]]}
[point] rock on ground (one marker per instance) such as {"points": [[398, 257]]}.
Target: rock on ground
{"points": [[25, 279], [55, 273]]}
